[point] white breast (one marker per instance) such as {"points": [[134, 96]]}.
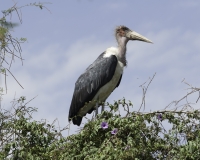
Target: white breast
{"points": [[107, 89]]}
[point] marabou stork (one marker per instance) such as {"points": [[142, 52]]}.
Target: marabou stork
{"points": [[102, 76]]}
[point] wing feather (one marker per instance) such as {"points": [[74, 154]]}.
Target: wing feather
{"points": [[88, 84]]}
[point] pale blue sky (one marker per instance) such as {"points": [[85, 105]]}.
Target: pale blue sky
{"points": [[61, 45]]}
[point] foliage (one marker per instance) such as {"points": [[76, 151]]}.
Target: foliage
{"points": [[139, 136], [136, 135], [21, 137], [117, 133]]}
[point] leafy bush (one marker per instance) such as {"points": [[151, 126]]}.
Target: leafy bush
{"points": [[21, 137], [137, 136], [109, 136]]}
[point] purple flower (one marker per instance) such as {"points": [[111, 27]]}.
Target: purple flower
{"points": [[104, 125], [159, 116], [114, 131]]}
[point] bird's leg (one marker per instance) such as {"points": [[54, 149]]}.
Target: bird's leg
{"points": [[102, 109], [97, 105]]}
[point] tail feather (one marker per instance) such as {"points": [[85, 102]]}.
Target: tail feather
{"points": [[77, 120]]}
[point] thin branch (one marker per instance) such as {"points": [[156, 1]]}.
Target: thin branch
{"points": [[14, 78], [30, 100], [198, 97], [5, 82], [193, 91], [144, 89]]}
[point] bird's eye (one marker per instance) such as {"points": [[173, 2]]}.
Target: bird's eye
{"points": [[122, 33]]}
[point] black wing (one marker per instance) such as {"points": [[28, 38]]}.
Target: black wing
{"points": [[88, 84]]}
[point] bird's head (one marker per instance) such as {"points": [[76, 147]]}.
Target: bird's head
{"points": [[127, 34]]}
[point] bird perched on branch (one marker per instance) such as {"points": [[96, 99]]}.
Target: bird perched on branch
{"points": [[102, 76]]}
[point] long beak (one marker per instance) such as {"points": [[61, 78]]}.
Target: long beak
{"points": [[132, 35]]}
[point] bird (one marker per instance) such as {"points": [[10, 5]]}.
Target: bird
{"points": [[102, 76]]}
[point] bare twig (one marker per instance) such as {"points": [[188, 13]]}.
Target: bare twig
{"points": [[144, 90], [193, 90], [30, 100], [14, 78], [5, 82]]}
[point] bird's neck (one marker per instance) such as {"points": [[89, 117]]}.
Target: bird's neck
{"points": [[122, 49]]}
